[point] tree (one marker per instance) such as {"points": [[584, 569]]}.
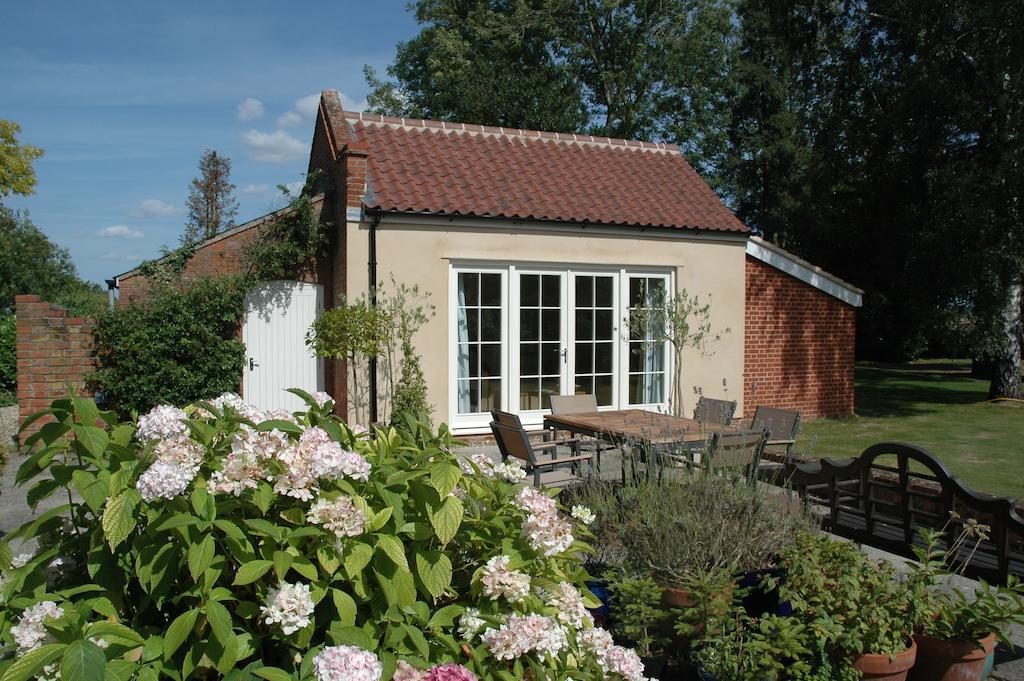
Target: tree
{"points": [[16, 173], [31, 263], [211, 204]]}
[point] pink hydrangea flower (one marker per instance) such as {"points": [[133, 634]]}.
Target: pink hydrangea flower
{"points": [[161, 421], [566, 599], [340, 516], [500, 581], [625, 663], [450, 672], [347, 663], [165, 480], [523, 634], [406, 672], [321, 398]]}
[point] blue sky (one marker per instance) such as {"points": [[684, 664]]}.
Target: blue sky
{"points": [[125, 96]]}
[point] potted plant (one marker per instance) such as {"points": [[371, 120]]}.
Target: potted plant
{"points": [[860, 611], [957, 634], [641, 619]]}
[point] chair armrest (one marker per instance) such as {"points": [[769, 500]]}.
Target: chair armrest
{"points": [[567, 459], [554, 443], [780, 442]]}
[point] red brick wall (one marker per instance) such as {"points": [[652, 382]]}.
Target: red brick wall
{"points": [[53, 350], [799, 344]]}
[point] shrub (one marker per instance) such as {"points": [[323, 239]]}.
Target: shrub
{"points": [[178, 346], [8, 360], [411, 392], [673, 529], [220, 541]]}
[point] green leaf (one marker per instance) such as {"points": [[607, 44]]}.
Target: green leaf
{"points": [[114, 633], [393, 549], [328, 559], [447, 519], [356, 558], [31, 663], [263, 496], [200, 556], [346, 607], [353, 636], [435, 571], [281, 425], [83, 661], [273, 674], [282, 561], [306, 569], [251, 571], [379, 519], [86, 411], [179, 630], [119, 517], [92, 438], [220, 622], [445, 616], [443, 477], [93, 490]]}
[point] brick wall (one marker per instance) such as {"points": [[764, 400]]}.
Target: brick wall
{"points": [[53, 350], [799, 344]]}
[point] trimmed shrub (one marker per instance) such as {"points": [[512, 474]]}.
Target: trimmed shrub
{"points": [[178, 346]]}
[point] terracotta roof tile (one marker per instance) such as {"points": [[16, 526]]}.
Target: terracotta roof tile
{"points": [[460, 169]]}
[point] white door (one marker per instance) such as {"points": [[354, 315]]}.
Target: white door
{"points": [[277, 316]]}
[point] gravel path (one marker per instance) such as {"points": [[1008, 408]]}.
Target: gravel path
{"points": [[8, 423]]}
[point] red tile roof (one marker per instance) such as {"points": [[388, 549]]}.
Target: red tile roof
{"points": [[460, 169]]}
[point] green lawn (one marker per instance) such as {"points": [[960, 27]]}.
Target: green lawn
{"points": [[934, 404]]}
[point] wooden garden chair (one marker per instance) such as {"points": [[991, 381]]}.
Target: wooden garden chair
{"points": [[580, 404], [782, 426], [555, 471], [710, 410]]}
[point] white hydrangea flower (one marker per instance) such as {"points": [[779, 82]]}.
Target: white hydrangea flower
{"points": [[624, 663], [596, 641], [289, 605], [470, 623], [179, 450], [165, 480], [29, 633], [317, 456], [583, 514], [566, 599], [161, 421], [247, 462], [321, 398], [500, 581], [340, 516], [508, 471], [523, 634], [347, 663], [545, 531]]}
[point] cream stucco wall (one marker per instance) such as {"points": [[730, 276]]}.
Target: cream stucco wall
{"points": [[420, 251]]}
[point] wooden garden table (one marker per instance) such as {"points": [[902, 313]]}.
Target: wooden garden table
{"points": [[636, 425]]}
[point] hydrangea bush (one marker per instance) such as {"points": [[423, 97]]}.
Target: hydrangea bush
{"points": [[221, 542]]}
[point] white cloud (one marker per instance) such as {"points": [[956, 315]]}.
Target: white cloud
{"points": [[288, 119], [255, 188], [250, 109], [305, 108], [153, 208], [120, 232], [122, 257], [275, 147]]}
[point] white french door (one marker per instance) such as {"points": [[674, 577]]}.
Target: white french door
{"points": [[522, 333]]}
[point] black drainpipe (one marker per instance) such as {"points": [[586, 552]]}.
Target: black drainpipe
{"points": [[372, 266]]}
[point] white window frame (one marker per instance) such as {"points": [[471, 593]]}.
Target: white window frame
{"points": [[480, 422]]}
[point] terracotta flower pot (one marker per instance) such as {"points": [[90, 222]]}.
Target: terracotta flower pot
{"points": [[677, 598], [955, 660], [886, 667]]}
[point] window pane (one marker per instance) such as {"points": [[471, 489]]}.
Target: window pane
{"points": [[548, 387], [469, 288], [474, 396], [636, 357], [490, 394], [602, 358], [490, 324], [529, 360], [603, 325], [603, 390], [584, 324], [473, 324], [551, 325], [529, 290], [490, 360], [584, 358], [552, 290], [474, 360], [656, 290], [636, 291], [604, 297], [463, 361], [550, 359], [584, 291], [655, 357], [490, 290], [529, 327], [584, 385], [529, 393]]}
